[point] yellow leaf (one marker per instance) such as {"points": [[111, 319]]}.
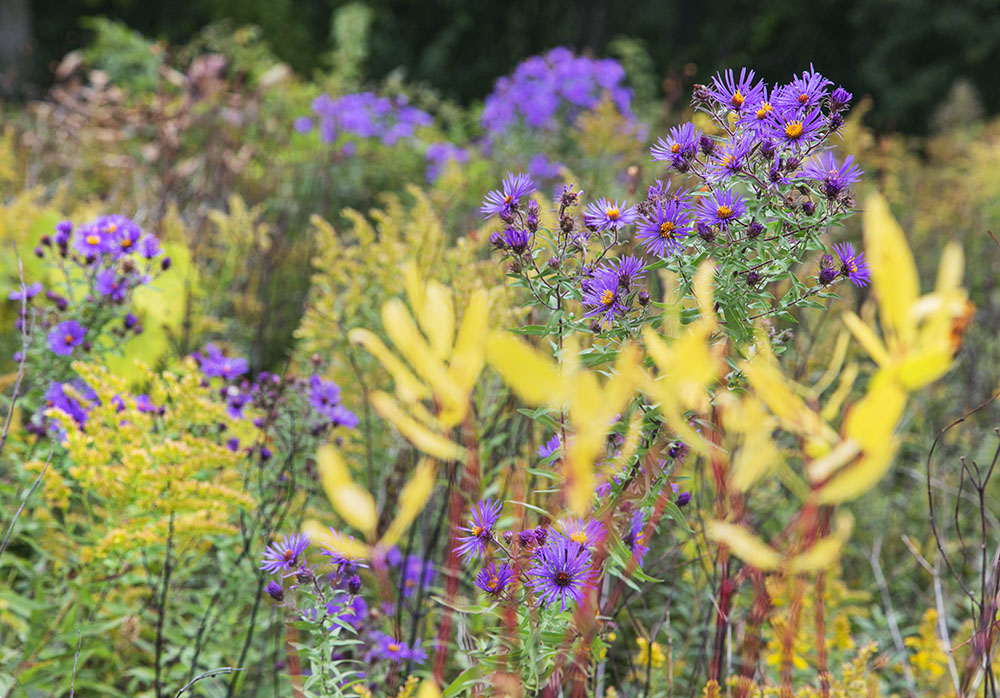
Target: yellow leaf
{"points": [[467, 358], [894, 274], [824, 466], [919, 369], [346, 546], [825, 551], [950, 269], [428, 689], [855, 480], [703, 281], [354, 504], [535, 378], [873, 419], [412, 500], [744, 545], [757, 453], [582, 453], [409, 388], [420, 436], [437, 319], [775, 391], [832, 406], [868, 339]]}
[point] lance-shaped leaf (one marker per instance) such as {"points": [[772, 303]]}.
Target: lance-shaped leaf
{"points": [[409, 388], [468, 354], [345, 545], [419, 435], [353, 503], [757, 452], [412, 500], [894, 273], [744, 545], [535, 378]]}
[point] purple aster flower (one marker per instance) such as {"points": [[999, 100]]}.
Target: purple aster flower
{"points": [[823, 168], [481, 526], [682, 142], [606, 215], [722, 208], [29, 292], [340, 416], [635, 539], [149, 247], [64, 230], [346, 610], [561, 572], [853, 264], [589, 534], [517, 240], [215, 363], [107, 283], [413, 570], [144, 404], [493, 579], [735, 94], [283, 556], [663, 233], [275, 591], [388, 647], [631, 270], [840, 99], [794, 126], [505, 200], [90, 241], [417, 654], [731, 159], [603, 296], [125, 238], [323, 394], [340, 559], [803, 92], [65, 336], [550, 446], [56, 398]]}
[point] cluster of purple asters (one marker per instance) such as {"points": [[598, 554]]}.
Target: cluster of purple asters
{"points": [[76, 399], [547, 91], [364, 115], [324, 396], [557, 564], [438, 156]]}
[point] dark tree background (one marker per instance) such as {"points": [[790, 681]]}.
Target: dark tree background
{"points": [[907, 54]]}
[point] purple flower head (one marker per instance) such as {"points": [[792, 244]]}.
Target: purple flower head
{"points": [[29, 292], [683, 499], [275, 591], [541, 167], [125, 239], [345, 610], [493, 579], [840, 99], [853, 264], [635, 539], [736, 94], [108, 284], [664, 232], [388, 647], [603, 295], [64, 230], [803, 92], [90, 241], [149, 247], [589, 534], [438, 155], [681, 144], [284, 556], [722, 208], [215, 363], [340, 416], [561, 572], [413, 570], [607, 215], [144, 404], [823, 168], [549, 447], [732, 158], [323, 394], [506, 199], [66, 336], [794, 127], [517, 240], [56, 398], [481, 530]]}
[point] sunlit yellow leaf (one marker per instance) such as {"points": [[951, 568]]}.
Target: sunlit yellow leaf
{"points": [[412, 500], [825, 551], [832, 371], [873, 419], [535, 378], [420, 436], [855, 480], [582, 453], [353, 503], [832, 407], [894, 274], [920, 368], [437, 319], [467, 358], [345, 545], [950, 268], [842, 454], [757, 453], [776, 392], [867, 338], [428, 689], [703, 290], [744, 545], [409, 388]]}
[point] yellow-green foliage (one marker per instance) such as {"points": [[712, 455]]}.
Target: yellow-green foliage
{"points": [[139, 475]]}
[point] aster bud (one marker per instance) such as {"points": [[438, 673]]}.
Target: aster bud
{"points": [[754, 230], [526, 538], [683, 498], [275, 591], [39, 252], [595, 326], [706, 233], [827, 275], [836, 121], [753, 277], [354, 584], [566, 224], [768, 149], [553, 263], [839, 99], [46, 240], [706, 144], [130, 321], [808, 207], [514, 267], [304, 575], [541, 535], [166, 263], [496, 239], [792, 164], [643, 297], [508, 536], [507, 216], [265, 452]]}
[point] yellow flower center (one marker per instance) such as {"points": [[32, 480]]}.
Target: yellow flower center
{"points": [[793, 129], [608, 297], [738, 99], [93, 239], [764, 110], [579, 537], [68, 338], [675, 148], [478, 531], [112, 228], [724, 212], [803, 98], [666, 229], [726, 160], [852, 265], [288, 555], [126, 243], [613, 212], [507, 199], [393, 647], [493, 584]]}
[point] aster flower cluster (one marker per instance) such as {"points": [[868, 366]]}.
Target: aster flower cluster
{"points": [[363, 115], [438, 156], [546, 91]]}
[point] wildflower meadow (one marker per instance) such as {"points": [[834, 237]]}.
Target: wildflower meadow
{"points": [[318, 385]]}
